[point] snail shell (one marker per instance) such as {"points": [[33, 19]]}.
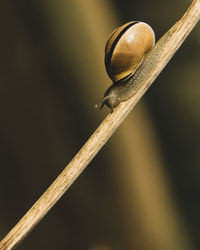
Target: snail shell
{"points": [[126, 47]]}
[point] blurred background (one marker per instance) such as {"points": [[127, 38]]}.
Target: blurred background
{"points": [[141, 192]]}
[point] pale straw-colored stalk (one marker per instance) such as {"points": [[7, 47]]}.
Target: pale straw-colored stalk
{"points": [[176, 37]]}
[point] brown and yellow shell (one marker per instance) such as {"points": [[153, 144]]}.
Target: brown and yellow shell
{"points": [[126, 47]]}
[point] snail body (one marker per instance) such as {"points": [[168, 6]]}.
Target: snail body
{"points": [[124, 52]]}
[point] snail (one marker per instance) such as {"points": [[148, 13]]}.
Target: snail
{"points": [[124, 53]]}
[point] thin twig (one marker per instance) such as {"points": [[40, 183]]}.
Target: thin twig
{"points": [[178, 34]]}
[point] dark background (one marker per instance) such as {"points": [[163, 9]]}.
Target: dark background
{"points": [[142, 190]]}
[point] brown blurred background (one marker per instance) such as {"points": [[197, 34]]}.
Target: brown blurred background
{"points": [[141, 192]]}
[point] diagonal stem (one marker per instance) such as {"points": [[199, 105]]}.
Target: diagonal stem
{"points": [[176, 36]]}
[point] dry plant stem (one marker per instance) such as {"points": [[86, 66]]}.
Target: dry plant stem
{"points": [[176, 36]]}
